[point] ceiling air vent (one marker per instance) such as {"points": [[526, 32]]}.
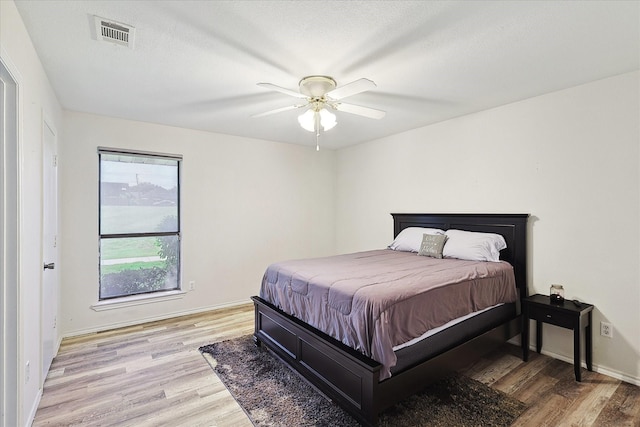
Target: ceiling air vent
{"points": [[114, 32]]}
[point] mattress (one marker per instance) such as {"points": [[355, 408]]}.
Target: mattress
{"points": [[375, 300], [448, 336], [434, 331]]}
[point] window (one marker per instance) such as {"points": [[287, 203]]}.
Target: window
{"points": [[139, 223]]}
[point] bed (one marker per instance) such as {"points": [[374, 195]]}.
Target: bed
{"points": [[365, 387]]}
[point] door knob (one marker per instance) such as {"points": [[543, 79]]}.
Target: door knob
{"points": [[50, 266]]}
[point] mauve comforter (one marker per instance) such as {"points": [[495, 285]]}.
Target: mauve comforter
{"points": [[374, 300]]}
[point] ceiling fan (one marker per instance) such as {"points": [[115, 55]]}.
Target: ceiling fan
{"points": [[321, 94]]}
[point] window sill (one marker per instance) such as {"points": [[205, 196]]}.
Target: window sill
{"points": [[124, 302]]}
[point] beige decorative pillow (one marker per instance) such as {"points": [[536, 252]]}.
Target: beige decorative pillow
{"points": [[410, 238], [432, 245]]}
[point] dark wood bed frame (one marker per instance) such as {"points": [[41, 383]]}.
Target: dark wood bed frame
{"points": [[351, 379]]}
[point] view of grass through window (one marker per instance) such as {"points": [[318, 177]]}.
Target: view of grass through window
{"points": [[139, 226]]}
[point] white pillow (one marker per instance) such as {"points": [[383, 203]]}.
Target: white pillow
{"points": [[473, 246], [410, 239]]}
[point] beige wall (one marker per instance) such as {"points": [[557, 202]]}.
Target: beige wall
{"points": [[245, 204], [37, 102], [569, 158]]}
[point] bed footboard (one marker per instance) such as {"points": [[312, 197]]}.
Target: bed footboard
{"points": [[344, 375]]}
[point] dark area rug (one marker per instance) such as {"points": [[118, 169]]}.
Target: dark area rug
{"points": [[274, 395]]}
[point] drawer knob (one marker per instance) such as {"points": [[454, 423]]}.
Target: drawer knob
{"points": [[548, 316]]}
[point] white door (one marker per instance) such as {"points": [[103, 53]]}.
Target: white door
{"points": [[50, 274]]}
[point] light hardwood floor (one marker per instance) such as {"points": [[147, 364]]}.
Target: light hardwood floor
{"points": [[154, 375]]}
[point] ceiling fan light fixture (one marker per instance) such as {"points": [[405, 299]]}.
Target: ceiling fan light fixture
{"points": [[312, 120], [307, 120], [327, 119]]}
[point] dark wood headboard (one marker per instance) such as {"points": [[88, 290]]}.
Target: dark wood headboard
{"points": [[513, 227]]}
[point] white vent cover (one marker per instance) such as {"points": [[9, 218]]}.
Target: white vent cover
{"points": [[114, 32]]}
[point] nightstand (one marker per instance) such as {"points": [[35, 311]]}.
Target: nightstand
{"points": [[568, 315]]}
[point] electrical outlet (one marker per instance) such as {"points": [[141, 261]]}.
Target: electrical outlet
{"points": [[192, 285], [606, 330]]}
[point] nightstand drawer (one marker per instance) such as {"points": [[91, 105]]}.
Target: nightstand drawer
{"points": [[553, 317]]}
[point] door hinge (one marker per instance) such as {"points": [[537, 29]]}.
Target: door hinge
{"points": [[55, 240], [55, 160]]}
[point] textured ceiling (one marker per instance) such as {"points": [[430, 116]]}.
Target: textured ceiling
{"points": [[196, 64]]}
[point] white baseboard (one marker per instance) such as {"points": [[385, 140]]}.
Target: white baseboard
{"points": [[165, 316], [613, 373], [34, 409]]}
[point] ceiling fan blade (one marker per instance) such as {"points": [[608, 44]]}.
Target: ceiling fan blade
{"points": [[278, 110], [371, 113], [282, 90], [352, 88]]}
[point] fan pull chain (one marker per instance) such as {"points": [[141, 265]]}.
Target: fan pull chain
{"points": [[317, 126]]}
